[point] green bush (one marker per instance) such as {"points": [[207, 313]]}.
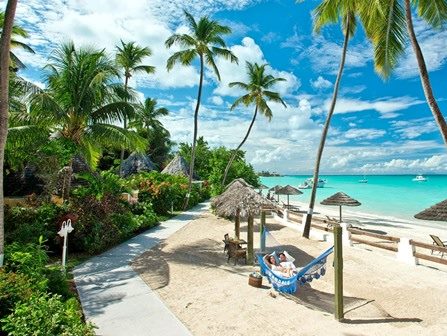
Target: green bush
{"points": [[144, 214], [26, 224], [99, 185], [14, 287], [45, 314], [57, 282]]}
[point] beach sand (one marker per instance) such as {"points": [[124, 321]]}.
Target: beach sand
{"points": [[190, 273]]}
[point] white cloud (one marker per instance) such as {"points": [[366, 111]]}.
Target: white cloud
{"points": [[217, 100], [320, 83], [364, 133], [435, 163], [411, 129]]}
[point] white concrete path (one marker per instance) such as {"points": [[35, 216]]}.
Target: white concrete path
{"points": [[114, 297]]}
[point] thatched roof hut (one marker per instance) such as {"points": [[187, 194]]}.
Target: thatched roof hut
{"points": [[136, 163], [437, 212], [240, 199], [288, 190], [178, 166]]}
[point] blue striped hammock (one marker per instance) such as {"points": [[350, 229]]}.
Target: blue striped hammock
{"points": [[313, 270]]}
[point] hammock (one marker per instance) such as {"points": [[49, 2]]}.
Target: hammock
{"points": [[312, 270]]}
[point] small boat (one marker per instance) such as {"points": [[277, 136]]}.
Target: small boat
{"points": [[420, 178], [363, 180], [304, 185], [308, 183]]}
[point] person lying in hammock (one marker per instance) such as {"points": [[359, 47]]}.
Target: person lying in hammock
{"points": [[270, 261], [286, 261]]}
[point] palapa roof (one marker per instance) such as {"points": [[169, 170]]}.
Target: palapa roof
{"points": [[178, 166], [288, 190], [437, 212], [340, 198], [239, 196], [276, 187], [136, 163], [262, 186]]}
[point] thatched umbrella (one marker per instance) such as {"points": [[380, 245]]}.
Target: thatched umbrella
{"points": [[136, 163], [178, 166], [288, 190], [262, 187], [437, 212], [240, 200], [276, 187], [340, 199]]}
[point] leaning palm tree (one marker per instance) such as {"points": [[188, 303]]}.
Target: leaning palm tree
{"points": [[387, 31], [331, 11], [81, 104], [5, 44], [258, 94], [204, 42], [147, 115], [17, 32], [129, 58]]}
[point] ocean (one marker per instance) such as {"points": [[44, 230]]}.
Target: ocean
{"points": [[395, 196]]}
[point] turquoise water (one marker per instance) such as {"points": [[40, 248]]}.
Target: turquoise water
{"points": [[388, 195]]}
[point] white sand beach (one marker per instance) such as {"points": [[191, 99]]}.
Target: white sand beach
{"points": [[190, 273]]}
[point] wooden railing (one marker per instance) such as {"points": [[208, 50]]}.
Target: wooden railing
{"points": [[432, 248], [355, 231]]}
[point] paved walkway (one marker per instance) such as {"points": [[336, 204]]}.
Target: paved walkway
{"points": [[115, 298]]}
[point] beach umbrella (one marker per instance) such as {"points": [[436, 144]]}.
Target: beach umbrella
{"points": [[340, 199], [262, 187], [276, 187], [437, 212], [288, 190]]}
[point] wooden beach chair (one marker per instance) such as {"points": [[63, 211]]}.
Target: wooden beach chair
{"points": [[235, 252], [438, 242]]}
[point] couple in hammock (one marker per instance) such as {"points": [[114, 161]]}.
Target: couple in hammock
{"points": [[283, 267]]}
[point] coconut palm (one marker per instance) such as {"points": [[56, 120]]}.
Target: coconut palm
{"points": [[147, 115], [387, 31], [331, 11], [258, 93], [129, 58], [81, 103], [205, 42], [5, 43], [17, 32]]}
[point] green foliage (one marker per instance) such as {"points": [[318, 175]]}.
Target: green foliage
{"points": [[144, 214], [99, 185], [26, 224], [45, 314], [202, 165], [14, 287], [57, 282]]}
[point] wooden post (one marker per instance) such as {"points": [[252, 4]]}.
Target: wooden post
{"points": [[250, 240], [261, 231], [237, 225], [338, 272], [340, 213]]}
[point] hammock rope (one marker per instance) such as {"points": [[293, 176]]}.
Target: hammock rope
{"points": [[313, 270]]}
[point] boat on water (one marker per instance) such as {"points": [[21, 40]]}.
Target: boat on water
{"points": [[308, 183], [363, 180], [420, 178]]}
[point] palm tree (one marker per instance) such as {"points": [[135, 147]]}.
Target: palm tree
{"points": [[388, 36], [81, 103], [330, 11], [204, 42], [258, 93], [147, 116], [5, 44], [17, 31], [129, 58]]}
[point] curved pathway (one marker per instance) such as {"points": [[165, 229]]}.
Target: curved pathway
{"points": [[114, 297]]}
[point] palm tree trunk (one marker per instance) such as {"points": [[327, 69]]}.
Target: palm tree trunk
{"points": [[238, 147], [425, 80], [5, 44], [126, 83], [193, 149], [306, 230]]}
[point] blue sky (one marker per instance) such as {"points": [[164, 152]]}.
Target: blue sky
{"points": [[379, 127]]}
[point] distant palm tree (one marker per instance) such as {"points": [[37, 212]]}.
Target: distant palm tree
{"points": [[387, 31], [331, 11], [5, 44], [17, 31], [129, 58], [80, 104], [204, 42], [258, 94], [147, 115]]}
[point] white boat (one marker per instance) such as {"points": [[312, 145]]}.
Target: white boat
{"points": [[420, 178], [308, 183], [363, 180]]}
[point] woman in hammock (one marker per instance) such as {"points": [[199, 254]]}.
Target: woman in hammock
{"points": [[277, 269]]}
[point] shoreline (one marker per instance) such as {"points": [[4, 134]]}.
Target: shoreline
{"points": [[394, 226]]}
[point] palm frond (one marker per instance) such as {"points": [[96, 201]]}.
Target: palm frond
{"points": [[149, 69], [112, 112], [225, 53], [245, 99], [184, 57], [432, 11], [275, 97]]}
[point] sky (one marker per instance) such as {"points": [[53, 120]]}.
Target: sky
{"points": [[379, 127]]}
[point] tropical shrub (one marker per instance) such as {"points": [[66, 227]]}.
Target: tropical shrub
{"points": [[45, 314], [99, 185], [14, 287]]}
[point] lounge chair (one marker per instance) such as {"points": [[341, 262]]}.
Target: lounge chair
{"points": [[332, 219], [438, 242], [236, 252]]}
